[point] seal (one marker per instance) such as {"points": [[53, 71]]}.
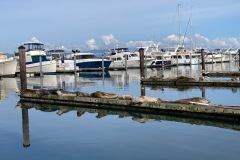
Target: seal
{"points": [[142, 99], [125, 97], [100, 94], [65, 93], [194, 100]]}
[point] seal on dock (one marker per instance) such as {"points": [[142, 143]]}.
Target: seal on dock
{"points": [[194, 100], [100, 94], [142, 99]]}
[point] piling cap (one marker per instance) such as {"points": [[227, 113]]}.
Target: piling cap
{"points": [[141, 49], [21, 47]]}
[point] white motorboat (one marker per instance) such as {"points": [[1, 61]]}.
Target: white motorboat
{"points": [[89, 62], [122, 58], [180, 56], [7, 65], [63, 64], [33, 52], [214, 56], [154, 57]]}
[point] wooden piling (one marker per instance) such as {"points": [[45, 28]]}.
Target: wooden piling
{"points": [[203, 60], [40, 61], [141, 53], [103, 64], [22, 64], [239, 59], [75, 65], [126, 58]]}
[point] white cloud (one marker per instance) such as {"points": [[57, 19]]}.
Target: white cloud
{"points": [[109, 40], [91, 44], [226, 43], [134, 44], [34, 39]]}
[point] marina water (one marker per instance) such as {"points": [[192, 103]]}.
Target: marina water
{"points": [[67, 132]]}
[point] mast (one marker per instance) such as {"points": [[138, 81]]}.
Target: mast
{"points": [[191, 29], [179, 27]]}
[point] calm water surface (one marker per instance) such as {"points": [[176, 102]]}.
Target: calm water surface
{"points": [[65, 132]]}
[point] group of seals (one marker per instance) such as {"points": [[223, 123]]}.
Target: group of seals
{"points": [[99, 94]]}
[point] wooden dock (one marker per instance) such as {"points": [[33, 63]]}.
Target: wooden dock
{"points": [[221, 74], [197, 110], [186, 81]]}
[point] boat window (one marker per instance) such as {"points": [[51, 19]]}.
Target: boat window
{"points": [[36, 58], [84, 57], [34, 46], [55, 56], [170, 49]]}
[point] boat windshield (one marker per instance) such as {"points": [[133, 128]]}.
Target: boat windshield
{"points": [[34, 46], [171, 49], [119, 50], [84, 57]]}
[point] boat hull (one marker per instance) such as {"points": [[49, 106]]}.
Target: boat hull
{"points": [[122, 64], [47, 67], [93, 64], [8, 67]]}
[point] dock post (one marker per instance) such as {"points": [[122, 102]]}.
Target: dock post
{"points": [[126, 58], [239, 59], [221, 56], [25, 127], [40, 61], [203, 92], [203, 60], [41, 73], [22, 64], [102, 64], [142, 68], [75, 70]]}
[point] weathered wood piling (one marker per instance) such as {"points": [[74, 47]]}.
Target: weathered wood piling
{"points": [[22, 64]]}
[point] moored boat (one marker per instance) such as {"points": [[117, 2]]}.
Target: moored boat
{"points": [[122, 58], [89, 62], [33, 52]]}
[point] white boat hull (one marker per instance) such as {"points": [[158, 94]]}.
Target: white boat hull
{"points": [[8, 67], [135, 63], [47, 67]]}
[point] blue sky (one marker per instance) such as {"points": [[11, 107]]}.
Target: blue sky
{"points": [[101, 24]]}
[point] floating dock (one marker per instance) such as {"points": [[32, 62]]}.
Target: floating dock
{"points": [[148, 105], [221, 74], [186, 81]]}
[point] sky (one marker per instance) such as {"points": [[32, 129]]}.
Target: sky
{"points": [[103, 24]]}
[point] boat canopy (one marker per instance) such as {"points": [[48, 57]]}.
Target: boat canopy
{"points": [[33, 46]]}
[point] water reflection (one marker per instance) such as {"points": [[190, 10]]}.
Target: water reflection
{"points": [[135, 116], [128, 82], [7, 85]]}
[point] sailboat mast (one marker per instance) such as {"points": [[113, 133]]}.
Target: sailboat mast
{"points": [[179, 27], [191, 29]]}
